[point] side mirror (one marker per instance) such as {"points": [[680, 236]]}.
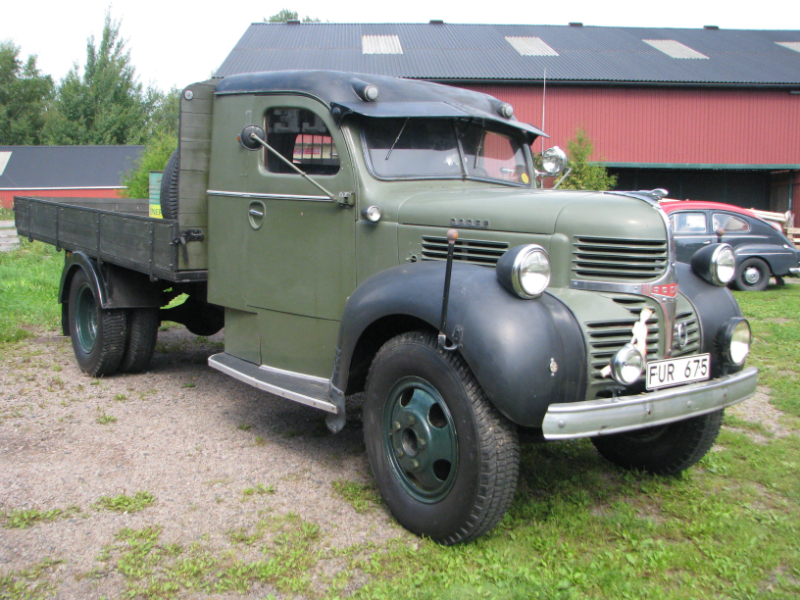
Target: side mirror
{"points": [[248, 142], [553, 161]]}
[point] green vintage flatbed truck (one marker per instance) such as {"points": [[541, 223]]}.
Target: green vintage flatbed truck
{"points": [[362, 233]]}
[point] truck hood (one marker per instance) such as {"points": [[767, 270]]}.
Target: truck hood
{"points": [[496, 208]]}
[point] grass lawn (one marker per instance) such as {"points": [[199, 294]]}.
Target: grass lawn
{"points": [[578, 527]]}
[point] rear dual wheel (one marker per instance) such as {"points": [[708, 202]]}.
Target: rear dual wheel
{"points": [[445, 461], [99, 335], [106, 341]]}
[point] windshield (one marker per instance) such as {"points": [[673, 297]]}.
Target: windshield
{"points": [[444, 148]]}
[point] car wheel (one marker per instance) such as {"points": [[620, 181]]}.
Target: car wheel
{"points": [[752, 275], [663, 450], [142, 334], [445, 461], [98, 335]]}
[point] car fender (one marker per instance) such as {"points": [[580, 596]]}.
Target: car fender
{"points": [[779, 259], [525, 354], [714, 306]]}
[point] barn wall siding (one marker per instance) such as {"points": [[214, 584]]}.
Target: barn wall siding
{"points": [[7, 196], [665, 125]]}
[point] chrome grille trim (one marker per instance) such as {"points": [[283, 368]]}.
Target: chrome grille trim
{"points": [[615, 259], [480, 252], [607, 337]]}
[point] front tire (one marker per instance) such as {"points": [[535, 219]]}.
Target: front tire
{"points": [[663, 450], [752, 276], [98, 335], [445, 461]]}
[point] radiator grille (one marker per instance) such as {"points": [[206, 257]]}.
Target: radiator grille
{"points": [[479, 252], [607, 337], [617, 259]]}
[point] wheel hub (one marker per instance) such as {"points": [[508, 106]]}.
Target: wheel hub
{"points": [[86, 319], [421, 439], [752, 275]]}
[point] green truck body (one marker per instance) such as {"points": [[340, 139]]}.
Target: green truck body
{"points": [[360, 233]]}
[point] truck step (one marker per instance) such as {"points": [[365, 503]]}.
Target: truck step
{"points": [[9, 240], [305, 389]]}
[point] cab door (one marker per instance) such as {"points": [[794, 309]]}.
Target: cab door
{"points": [[300, 244]]}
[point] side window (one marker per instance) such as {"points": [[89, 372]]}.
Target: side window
{"points": [[688, 222], [730, 223], [303, 139]]}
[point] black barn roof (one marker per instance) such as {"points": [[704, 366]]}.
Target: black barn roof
{"points": [[65, 167], [575, 54]]}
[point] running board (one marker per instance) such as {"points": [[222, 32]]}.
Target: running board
{"points": [[305, 389]]}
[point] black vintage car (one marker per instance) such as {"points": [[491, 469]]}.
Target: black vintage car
{"points": [[762, 251]]}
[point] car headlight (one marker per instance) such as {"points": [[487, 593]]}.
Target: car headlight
{"points": [[715, 263], [524, 271], [734, 341], [627, 365]]}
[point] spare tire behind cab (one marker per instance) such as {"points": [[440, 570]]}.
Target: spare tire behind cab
{"points": [[169, 188]]}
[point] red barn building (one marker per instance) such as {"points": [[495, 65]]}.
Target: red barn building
{"points": [[67, 171], [707, 113]]}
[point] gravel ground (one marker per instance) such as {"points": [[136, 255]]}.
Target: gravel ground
{"points": [[197, 441], [193, 438]]}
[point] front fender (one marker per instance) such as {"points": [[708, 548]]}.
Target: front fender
{"points": [[526, 354]]}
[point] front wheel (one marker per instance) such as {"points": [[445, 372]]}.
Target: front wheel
{"points": [[752, 276], [98, 335], [665, 449], [445, 461]]}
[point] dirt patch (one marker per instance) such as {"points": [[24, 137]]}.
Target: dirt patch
{"points": [[759, 410], [217, 455]]}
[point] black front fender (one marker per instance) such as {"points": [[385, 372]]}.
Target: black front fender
{"points": [[526, 354]]}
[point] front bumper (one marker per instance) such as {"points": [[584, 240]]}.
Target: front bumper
{"points": [[794, 271], [627, 413]]}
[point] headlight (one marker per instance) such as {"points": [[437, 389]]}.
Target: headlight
{"points": [[627, 365], [724, 264], [524, 271], [715, 263], [734, 341]]}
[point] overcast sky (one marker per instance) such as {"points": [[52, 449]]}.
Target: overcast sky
{"points": [[174, 43]]}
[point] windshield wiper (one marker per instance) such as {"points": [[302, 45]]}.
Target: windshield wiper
{"points": [[462, 161], [397, 139]]}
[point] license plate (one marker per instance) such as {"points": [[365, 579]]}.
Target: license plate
{"points": [[675, 371]]}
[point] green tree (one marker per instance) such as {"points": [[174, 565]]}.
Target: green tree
{"points": [[24, 93], [105, 105], [585, 175], [154, 158], [288, 15], [164, 113]]}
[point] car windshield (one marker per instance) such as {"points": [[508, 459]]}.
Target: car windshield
{"points": [[414, 148]]}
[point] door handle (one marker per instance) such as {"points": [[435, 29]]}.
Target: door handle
{"points": [[255, 214]]}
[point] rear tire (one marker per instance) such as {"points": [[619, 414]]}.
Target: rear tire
{"points": [[169, 188], [752, 276], [142, 334], [663, 450], [445, 461], [98, 335]]}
